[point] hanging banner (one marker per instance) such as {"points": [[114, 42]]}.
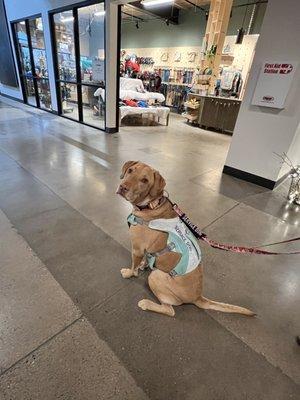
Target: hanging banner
{"points": [[273, 84]]}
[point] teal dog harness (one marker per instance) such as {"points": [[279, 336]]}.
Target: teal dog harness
{"points": [[180, 240]]}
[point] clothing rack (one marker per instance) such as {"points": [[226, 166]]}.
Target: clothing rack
{"points": [[176, 95], [176, 74]]}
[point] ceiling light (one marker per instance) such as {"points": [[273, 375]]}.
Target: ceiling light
{"points": [[68, 19], [150, 3], [99, 13]]}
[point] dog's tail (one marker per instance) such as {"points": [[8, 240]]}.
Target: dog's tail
{"points": [[207, 304]]}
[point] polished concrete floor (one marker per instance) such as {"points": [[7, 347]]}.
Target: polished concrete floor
{"points": [[70, 327]]}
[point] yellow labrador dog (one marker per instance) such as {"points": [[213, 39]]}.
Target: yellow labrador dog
{"points": [[161, 241]]}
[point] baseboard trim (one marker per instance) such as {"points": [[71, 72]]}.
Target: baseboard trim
{"points": [[283, 178], [11, 97], [111, 130], [246, 176]]}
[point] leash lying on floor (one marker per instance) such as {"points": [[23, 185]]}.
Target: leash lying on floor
{"points": [[229, 247]]}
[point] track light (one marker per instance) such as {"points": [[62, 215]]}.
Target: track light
{"points": [[206, 15], [240, 36], [137, 25], [168, 21]]}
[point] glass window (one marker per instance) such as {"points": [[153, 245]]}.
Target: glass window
{"points": [[64, 35], [44, 93], [30, 91], [23, 48], [80, 33], [91, 43], [69, 100], [93, 106], [32, 58], [38, 47]]}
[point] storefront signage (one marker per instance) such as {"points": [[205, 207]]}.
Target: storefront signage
{"points": [[273, 84]]}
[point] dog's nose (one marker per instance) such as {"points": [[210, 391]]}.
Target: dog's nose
{"points": [[122, 189]]}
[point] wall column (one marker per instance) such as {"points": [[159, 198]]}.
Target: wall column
{"points": [[111, 65], [260, 131]]}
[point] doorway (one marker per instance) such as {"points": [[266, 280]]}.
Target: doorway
{"points": [[32, 62], [79, 62]]}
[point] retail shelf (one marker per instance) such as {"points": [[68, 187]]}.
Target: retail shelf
{"points": [[191, 105]]}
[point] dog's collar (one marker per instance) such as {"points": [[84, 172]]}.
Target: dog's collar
{"points": [[152, 205]]}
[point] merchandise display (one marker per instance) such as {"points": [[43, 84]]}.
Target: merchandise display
{"points": [[230, 82], [181, 76], [208, 74], [136, 100]]}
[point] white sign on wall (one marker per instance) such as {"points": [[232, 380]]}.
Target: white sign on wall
{"points": [[273, 84], [98, 70]]}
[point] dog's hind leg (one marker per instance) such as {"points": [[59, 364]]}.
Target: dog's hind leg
{"points": [[158, 282], [207, 304], [149, 305]]}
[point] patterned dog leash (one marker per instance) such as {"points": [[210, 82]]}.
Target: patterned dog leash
{"points": [[229, 247]]}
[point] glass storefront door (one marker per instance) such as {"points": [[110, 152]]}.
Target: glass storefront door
{"points": [[78, 41], [32, 62]]}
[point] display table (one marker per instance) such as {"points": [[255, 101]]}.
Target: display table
{"points": [[127, 94], [214, 112], [159, 112]]}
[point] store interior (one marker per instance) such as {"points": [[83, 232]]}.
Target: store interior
{"points": [[188, 60]]}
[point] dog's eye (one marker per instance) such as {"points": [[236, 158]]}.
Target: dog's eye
{"points": [[144, 180], [129, 170]]}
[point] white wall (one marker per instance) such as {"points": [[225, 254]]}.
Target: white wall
{"points": [[16, 9], [260, 131]]}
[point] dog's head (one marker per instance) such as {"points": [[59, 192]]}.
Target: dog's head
{"points": [[140, 183]]}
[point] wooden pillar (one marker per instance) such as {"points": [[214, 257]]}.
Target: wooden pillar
{"points": [[216, 29]]}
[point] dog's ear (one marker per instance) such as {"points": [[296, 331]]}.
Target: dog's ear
{"points": [[158, 186], [126, 166]]}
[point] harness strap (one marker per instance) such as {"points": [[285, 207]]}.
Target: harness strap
{"points": [[151, 257]]}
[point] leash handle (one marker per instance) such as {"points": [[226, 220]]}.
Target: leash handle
{"points": [[229, 247]]}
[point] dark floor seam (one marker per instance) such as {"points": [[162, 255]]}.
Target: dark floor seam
{"points": [[42, 344], [221, 216]]}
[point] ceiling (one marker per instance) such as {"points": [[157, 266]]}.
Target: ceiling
{"points": [[133, 12]]}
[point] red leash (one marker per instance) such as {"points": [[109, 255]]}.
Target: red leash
{"points": [[229, 247]]}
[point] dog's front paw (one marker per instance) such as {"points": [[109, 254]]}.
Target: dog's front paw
{"points": [[127, 273], [143, 304]]}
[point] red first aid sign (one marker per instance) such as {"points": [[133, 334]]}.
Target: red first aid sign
{"points": [[273, 84], [277, 68]]}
